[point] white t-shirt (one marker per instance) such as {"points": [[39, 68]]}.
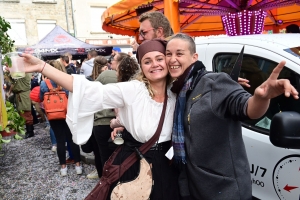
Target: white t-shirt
{"points": [[138, 112]]}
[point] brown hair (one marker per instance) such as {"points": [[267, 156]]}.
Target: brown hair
{"points": [[65, 58], [127, 68], [157, 19], [93, 53], [56, 64], [99, 63], [187, 38]]}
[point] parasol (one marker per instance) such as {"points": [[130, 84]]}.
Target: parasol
{"points": [[200, 17]]}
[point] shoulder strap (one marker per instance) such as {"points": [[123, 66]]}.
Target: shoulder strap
{"points": [[49, 85], [145, 147]]}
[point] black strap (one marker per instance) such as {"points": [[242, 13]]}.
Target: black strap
{"points": [[128, 162]]}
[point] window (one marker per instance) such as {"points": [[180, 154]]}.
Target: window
{"points": [[44, 1], [45, 27], [96, 23], [17, 31], [257, 70], [11, 1], [294, 51]]}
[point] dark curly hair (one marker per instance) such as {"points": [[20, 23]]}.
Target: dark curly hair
{"points": [[127, 67]]}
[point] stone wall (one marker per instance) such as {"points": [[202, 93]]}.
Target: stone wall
{"points": [[33, 10]]}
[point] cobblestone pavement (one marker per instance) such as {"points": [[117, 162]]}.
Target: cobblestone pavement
{"points": [[29, 170]]}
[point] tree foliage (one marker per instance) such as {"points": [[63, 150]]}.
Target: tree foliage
{"points": [[6, 43]]}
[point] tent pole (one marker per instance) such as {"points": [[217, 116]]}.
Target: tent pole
{"points": [[171, 11]]}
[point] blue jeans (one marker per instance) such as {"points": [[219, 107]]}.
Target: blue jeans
{"points": [[52, 136]]}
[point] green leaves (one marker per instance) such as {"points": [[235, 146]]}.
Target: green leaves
{"points": [[6, 43], [17, 137], [3, 141], [7, 60], [14, 120]]}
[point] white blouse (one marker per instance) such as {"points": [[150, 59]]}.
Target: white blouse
{"points": [[138, 112]]}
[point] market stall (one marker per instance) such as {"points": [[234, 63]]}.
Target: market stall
{"points": [[58, 42]]}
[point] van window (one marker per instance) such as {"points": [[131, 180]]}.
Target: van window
{"points": [[295, 51], [257, 70]]}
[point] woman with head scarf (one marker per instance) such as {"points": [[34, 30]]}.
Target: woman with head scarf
{"points": [[140, 104]]}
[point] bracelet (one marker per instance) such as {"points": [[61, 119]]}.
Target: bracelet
{"points": [[43, 67]]}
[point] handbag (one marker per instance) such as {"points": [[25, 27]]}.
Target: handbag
{"points": [[111, 173], [138, 189], [55, 102]]}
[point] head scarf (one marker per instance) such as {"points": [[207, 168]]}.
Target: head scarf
{"points": [[149, 46]]}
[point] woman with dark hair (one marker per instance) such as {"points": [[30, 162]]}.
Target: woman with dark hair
{"points": [[126, 68], [100, 65], [98, 142]]}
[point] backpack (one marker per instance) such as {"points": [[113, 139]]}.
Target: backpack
{"points": [[35, 94], [55, 102]]}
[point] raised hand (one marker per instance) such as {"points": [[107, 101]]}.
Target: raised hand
{"points": [[274, 87], [31, 63]]}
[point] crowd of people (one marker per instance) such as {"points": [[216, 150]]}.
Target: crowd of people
{"points": [[127, 95]]}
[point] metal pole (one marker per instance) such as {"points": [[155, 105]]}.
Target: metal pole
{"points": [[66, 12], [73, 18], [171, 11]]}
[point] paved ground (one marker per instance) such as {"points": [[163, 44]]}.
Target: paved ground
{"points": [[29, 170]]}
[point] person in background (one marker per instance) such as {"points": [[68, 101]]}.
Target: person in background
{"points": [[71, 63], [154, 25], [66, 63], [65, 59], [87, 66], [61, 130], [292, 28], [78, 66], [101, 130], [36, 108], [21, 89], [126, 69], [48, 127]]}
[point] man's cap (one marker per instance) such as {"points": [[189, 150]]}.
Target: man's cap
{"points": [[118, 49]]}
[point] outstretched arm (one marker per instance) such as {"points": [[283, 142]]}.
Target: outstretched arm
{"points": [[33, 64], [259, 102]]}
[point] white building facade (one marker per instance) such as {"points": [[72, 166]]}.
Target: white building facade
{"points": [[32, 20]]}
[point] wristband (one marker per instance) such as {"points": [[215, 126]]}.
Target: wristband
{"points": [[43, 67]]}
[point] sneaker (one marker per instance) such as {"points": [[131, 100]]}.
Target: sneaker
{"points": [[70, 161], [78, 170], [54, 148], [63, 171], [93, 175]]}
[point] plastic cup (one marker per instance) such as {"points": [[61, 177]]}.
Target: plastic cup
{"points": [[17, 70], [118, 138]]}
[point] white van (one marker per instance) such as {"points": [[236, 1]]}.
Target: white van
{"points": [[275, 172]]}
